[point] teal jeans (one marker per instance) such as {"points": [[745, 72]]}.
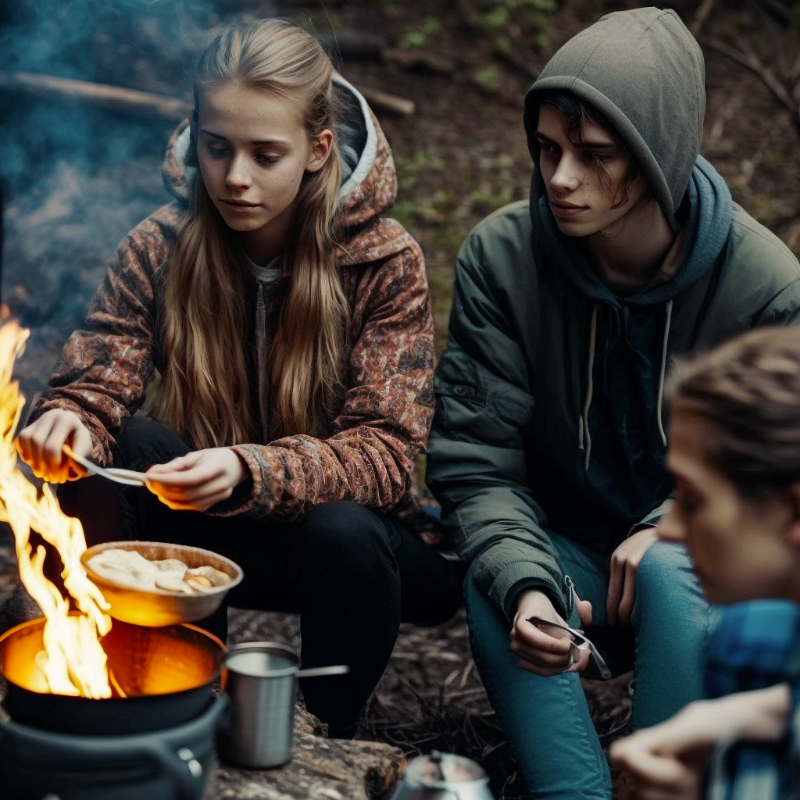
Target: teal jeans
{"points": [[547, 719]]}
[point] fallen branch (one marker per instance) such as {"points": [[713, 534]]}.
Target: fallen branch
{"points": [[383, 101], [116, 98], [701, 16], [747, 57], [418, 59]]}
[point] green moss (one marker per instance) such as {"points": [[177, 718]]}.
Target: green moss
{"points": [[488, 77], [428, 28], [772, 162], [498, 17], [484, 202], [410, 168]]}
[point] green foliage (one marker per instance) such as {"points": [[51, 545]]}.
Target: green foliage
{"points": [[772, 162], [421, 35], [501, 45], [484, 202], [488, 77], [410, 169], [498, 17]]}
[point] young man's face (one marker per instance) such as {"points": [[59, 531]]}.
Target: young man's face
{"points": [[740, 547], [584, 179]]}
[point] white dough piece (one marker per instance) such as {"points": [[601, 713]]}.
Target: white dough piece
{"points": [[131, 569], [216, 576], [173, 582], [171, 565]]}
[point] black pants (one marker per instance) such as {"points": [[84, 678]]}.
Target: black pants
{"points": [[352, 573]]}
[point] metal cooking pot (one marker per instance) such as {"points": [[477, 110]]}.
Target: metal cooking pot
{"points": [[162, 677], [176, 763], [442, 776]]}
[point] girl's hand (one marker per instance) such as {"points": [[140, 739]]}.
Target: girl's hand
{"points": [[667, 760], [199, 480], [40, 444], [622, 582], [539, 653]]}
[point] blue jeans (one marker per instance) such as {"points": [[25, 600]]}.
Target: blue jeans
{"points": [[547, 719]]}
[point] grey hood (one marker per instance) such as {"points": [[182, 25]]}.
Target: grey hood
{"points": [[644, 71]]}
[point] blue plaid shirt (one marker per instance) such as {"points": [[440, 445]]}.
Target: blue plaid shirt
{"points": [[755, 645]]}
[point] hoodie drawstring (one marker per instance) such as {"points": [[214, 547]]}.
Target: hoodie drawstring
{"points": [[584, 434], [660, 399]]}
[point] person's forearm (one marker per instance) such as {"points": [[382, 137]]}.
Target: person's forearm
{"points": [[759, 715]]}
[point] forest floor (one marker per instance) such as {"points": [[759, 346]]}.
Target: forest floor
{"points": [[76, 178]]}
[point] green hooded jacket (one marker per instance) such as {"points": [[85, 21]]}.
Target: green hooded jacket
{"points": [[549, 393]]}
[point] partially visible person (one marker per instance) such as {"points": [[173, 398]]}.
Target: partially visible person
{"points": [[548, 443], [735, 456]]}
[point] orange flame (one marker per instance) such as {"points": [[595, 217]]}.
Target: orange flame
{"points": [[73, 661]]}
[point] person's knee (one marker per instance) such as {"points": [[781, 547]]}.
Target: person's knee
{"points": [[346, 538], [663, 577]]}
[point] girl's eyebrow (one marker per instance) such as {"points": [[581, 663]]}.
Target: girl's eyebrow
{"points": [[254, 141], [583, 145]]}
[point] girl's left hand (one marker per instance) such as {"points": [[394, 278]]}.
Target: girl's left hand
{"points": [[199, 480]]}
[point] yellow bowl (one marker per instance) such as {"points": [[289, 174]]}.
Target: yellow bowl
{"points": [[158, 608]]}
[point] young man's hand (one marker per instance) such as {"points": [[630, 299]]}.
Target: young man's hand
{"points": [[40, 445], [539, 653], [198, 480], [622, 581]]}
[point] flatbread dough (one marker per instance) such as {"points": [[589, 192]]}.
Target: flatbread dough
{"points": [[130, 568]]}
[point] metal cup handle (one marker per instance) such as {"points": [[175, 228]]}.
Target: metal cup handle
{"points": [[321, 672]]}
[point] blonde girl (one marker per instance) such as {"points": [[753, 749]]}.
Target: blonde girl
{"points": [[282, 327]]}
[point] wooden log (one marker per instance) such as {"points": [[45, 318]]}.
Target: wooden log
{"points": [[383, 101], [420, 59], [116, 98], [320, 769]]}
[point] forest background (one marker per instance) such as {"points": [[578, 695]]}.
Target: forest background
{"points": [[76, 176]]}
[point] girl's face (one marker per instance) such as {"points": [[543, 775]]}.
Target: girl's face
{"points": [[741, 548], [253, 151], [584, 180]]}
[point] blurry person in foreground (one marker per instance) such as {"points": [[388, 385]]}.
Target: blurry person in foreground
{"points": [[735, 456]]}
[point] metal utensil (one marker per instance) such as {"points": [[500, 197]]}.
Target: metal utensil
{"points": [[124, 476]]}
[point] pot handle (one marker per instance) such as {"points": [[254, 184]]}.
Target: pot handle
{"points": [[182, 768]]}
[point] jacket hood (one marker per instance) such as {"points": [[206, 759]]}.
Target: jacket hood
{"points": [[369, 179], [644, 71]]}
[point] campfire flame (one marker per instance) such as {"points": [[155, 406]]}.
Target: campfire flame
{"points": [[73, 661]]}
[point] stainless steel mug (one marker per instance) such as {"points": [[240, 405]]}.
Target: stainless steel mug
{"points": [[261, 683]]}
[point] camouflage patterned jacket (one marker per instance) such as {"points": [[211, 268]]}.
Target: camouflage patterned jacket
{"points": [[368, 455]]}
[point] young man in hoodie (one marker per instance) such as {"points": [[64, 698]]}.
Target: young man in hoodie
{"points": [[548, 447]]}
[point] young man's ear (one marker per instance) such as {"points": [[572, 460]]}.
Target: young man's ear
{"points": [[793, 530], [320, 151]]}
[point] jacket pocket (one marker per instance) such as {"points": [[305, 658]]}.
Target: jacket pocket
{"points": [[472, 399]]}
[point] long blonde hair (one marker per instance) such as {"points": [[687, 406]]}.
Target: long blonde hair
{"points": [[204, 393]]}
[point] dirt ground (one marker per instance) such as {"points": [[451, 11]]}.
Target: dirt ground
{"points": [[76, 178]]}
